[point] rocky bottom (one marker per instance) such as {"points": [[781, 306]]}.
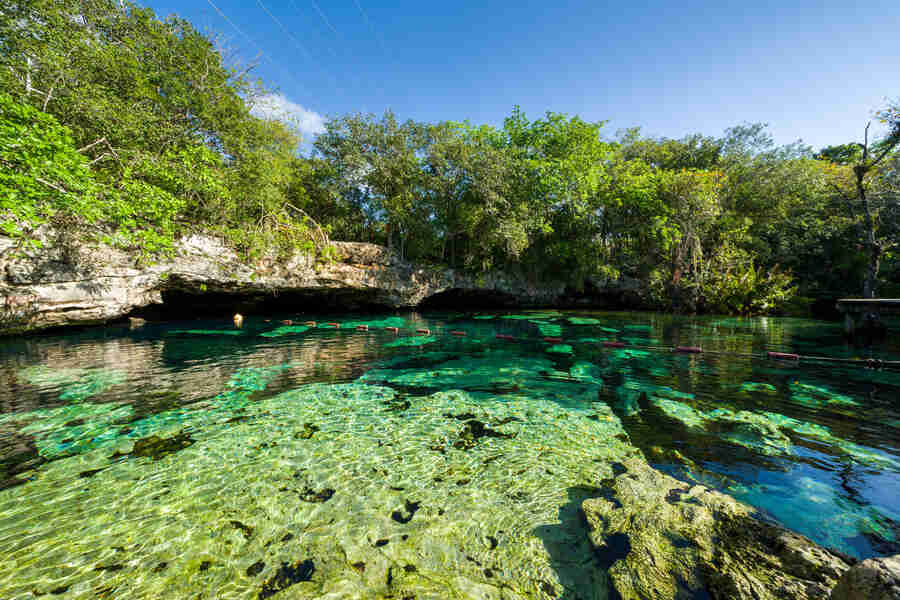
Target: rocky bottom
{"points": [[358, 491]]}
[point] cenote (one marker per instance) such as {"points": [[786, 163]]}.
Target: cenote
{"points": [[193, 459]]}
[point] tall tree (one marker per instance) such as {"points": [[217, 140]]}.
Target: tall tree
{"points": [[868, 198]]}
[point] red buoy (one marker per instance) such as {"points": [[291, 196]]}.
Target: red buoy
{"points": [[613, 344], [425, 331], [555, 340], [333, 324], [393, 329], [503, 336], [362, 327], [310, 323], [784, 356], [688, 349], [460, 333]]}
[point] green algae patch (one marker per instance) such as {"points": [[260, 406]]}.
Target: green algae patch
{"points": [[815, 396], [493, 371], [75, 428], [681, 411], [533, 316], [559, 349], [586, 372], [547, 329], [285, 330], [376, 323], [583, 321], [625, 354], [753, 386], [764, 432], [413, 340], [498, 375], [83, 427], [73, 384], [456, 493], [210, 332]]}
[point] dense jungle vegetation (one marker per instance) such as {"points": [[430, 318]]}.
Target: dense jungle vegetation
{"points": [[119, 124]]}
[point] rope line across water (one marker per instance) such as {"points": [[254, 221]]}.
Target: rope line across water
{"points": [[869, 363]]}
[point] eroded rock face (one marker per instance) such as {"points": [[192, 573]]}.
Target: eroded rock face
{"points": [[873, 579], [664, 539], [58, 285]]}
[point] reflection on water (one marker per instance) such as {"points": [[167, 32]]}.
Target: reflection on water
{"points": [[815, 446]]}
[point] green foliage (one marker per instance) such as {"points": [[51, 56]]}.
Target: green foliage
{"points": [[119, 124], [165, 136], [42, 175]]}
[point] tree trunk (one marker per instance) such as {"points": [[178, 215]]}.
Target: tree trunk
{"points": [[873, 249]]}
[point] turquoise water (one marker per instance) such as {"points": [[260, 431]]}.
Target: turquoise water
{"points": [[121, 444]]}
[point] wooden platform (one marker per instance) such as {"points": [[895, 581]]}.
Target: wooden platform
{"points": [[866, 312]]}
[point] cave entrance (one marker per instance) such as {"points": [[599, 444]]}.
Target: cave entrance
{"points": [[462, 299], [180, 304]]}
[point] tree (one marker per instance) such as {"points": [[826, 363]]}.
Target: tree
{"points": [[868, 199], [383, 157], [163, 122]]}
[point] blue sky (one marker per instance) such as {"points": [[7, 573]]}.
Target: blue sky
{"points": [[812, 70]]}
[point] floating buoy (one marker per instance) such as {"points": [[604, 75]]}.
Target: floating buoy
{"points": [[424, 331], [393, 329], [333, 324], [784, 355], [553, 340], [503, 336], [287, 322], [460, 333], [687, 349], [238, 320], [362, 327], [310, 323], [613, 344]]}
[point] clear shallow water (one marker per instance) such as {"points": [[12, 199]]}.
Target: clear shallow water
{"points": [[159, 439]]}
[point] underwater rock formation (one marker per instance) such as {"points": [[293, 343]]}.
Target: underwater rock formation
{"points": [[873, 579], [664, 539], [91, 284]]}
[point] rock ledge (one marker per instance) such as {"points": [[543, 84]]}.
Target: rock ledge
{"points": [[92, 284]]}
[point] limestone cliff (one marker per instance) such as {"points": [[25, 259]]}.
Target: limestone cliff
{"points": [[57, 286]]}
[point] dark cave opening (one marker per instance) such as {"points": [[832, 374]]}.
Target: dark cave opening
{"points": [[179, 304], [460, 299]]}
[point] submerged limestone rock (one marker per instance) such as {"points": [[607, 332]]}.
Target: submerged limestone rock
{"points": [[664, 539], [873, 579], [323, 491]]}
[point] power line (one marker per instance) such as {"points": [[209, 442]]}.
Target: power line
{"points": [[240, 31], [286, 32], [309, 56], [375, 32], [299, 12], [324, 18], [250, 40]]}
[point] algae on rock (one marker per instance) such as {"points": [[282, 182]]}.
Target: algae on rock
{"points": [[665, 540]]}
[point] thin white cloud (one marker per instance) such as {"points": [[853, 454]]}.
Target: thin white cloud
{"points": [[276, 106]]}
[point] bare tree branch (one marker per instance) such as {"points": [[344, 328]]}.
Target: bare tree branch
{"points": [[92, 144], [51, 185]]}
